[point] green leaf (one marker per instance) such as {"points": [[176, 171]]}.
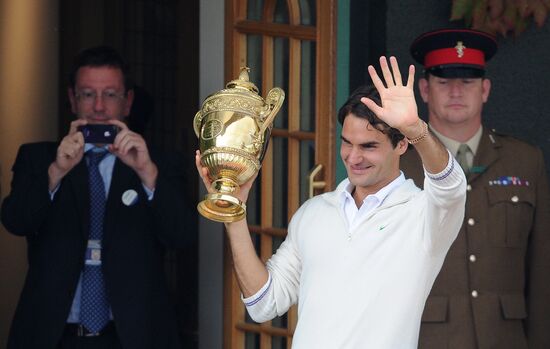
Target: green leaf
{"points": [[540, 12], [520, 25], [510, 14], [461, 9], [502, 28], [479, 13], [500, 16], [496, 7], [523, 7]]}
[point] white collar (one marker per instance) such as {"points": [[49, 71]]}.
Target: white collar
{"points": [[379, 195]]}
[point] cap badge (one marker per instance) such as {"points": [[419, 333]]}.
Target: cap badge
{"points": [[460, 49]]}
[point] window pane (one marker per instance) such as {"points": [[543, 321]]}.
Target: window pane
{"points": [[254, 59], [252, 341], [280, 78], [253, 204], [277, 241], [278, 342], [254, 10], [257, 241], [280, 181], [280, 321], [307, 161], [307, 86], [307, 11], [281, 12]]}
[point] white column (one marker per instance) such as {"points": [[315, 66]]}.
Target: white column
{"points": [[211, 79]]}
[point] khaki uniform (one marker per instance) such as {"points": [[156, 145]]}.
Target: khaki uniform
{"points": [[493, 290]]}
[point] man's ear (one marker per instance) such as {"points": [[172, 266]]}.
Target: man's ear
{"points": [[486, 89], [72, 99], [423, 88], [402, 146]]}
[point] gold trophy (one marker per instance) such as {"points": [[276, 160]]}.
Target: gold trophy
{"points": [[233, 127]]}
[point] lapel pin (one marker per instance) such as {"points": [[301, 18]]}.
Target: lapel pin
{"points": [[129, 197]]}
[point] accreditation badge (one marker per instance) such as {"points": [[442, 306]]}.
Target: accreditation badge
{"points": [[93, 253]]}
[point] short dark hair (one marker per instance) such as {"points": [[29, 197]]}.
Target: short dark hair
{"points": [[100, 56], [354, 106]]}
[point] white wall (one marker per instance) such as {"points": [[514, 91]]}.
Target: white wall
{"points": [[28, 112], [210, 233]]}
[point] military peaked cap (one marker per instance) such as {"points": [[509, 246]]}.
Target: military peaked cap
{"points": [[454, 53]]}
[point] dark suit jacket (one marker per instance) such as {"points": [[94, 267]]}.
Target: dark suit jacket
{"points": [[493, 290], [133, 246]]}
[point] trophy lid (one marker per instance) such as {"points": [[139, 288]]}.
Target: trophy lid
{"points": [[243, 82], [242, 98]]}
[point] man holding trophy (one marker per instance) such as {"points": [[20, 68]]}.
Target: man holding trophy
{"points": [[360, 260]]}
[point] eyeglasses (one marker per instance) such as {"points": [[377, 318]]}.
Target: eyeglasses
{"points": [[107, 96]]}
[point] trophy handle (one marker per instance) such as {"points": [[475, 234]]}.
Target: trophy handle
{"points": [[197, 123], [274, 101]]}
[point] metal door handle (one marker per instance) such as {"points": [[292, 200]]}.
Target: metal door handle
{"points": [[313, 184]]}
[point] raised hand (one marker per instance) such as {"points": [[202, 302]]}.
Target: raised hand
{"points": [[131, 149], [241, 194], [203, 172], [69, 153], [398, 108]]}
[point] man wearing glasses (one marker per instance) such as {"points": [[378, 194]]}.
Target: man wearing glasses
{"points": [[97, 211]]}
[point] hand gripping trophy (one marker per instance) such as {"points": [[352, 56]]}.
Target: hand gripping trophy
{"points": [[233, 127]]}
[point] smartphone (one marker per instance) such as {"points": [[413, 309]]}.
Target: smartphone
{"points": [[99, 133]]}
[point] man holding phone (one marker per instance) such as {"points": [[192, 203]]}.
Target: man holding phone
{"points": [[97, 210]]}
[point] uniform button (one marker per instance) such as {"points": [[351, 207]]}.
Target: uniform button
{"points": [[473, 258], [474, 294], [515, 198], [471, 222], [468, 187]]}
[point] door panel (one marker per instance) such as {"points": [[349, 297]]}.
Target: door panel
{"points": [[288, 44]]}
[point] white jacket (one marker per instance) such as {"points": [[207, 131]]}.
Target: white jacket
{"points": [[367, 290]]}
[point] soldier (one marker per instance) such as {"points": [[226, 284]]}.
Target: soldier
{"points": [[493, 289]]}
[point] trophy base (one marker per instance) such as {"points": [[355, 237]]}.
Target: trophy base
{"points": [[222, 208]]}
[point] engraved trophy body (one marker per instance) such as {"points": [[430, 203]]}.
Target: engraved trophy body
{"points": [[233, 127]]}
